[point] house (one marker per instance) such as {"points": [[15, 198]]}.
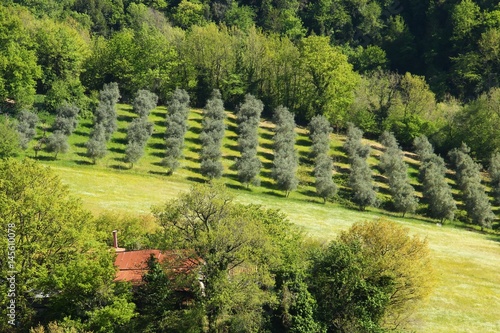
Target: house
{"points": [[132, 265]]}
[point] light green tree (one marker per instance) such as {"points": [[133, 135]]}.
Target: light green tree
{"points": [[232, 244], [327, 80], [18, 62], [9, 138], [55, 253]]}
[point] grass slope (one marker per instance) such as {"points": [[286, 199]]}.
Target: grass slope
{"points": [[467, 264]]}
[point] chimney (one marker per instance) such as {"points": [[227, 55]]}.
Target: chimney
{"points": [[115, 239], [115, 242]]}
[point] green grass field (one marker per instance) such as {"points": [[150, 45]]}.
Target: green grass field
{"points": [[466, 297]]}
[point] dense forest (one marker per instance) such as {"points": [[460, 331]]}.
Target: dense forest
{"points": [[410, 67]]}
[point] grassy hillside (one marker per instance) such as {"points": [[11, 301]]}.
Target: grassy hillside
{"points": [[467, 263]]}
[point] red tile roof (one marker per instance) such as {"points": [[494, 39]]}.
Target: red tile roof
{"points": [[132, 265]]}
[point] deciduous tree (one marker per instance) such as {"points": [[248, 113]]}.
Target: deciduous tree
{"points": [[232, 244], [55, 254], [328, 80], [385, 271], [9, 138]]}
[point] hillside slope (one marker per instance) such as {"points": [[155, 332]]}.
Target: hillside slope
{"points": [[467, 263]]}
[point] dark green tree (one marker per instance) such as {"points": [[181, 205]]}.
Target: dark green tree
{"points": [[213, 128], [396, 171], [371, 278], [285, 156], [165, 300], [474, 196], [177, 116], [248, 118], [338, 272]]}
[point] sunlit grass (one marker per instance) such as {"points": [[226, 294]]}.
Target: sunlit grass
{"points": [[467, 264]]}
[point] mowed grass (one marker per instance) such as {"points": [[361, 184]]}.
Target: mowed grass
{"points": [[466, 297]]}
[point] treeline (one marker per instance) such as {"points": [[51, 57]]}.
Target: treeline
{"points": [[403, 66], [231, 267]]}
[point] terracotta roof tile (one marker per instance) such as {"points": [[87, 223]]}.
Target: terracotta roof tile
{"points": [[132, 265]]}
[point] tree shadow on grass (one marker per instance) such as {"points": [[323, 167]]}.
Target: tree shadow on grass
{"points": [[80, 145], [80, 133], [277, 194], [309, 193], [157, 146], [45, 158], [266, 145], [266, 136], [196, 141], [81, 154], [160, 123], [158, 114], [117, 150], [119, 167], [197, 179], [232, 128], [266, 184], [121, 141], [126, 118], [160, 173], [233, 147], [84, 162], [303, 142], [304, 159], [192, 159], [157, 154]]}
